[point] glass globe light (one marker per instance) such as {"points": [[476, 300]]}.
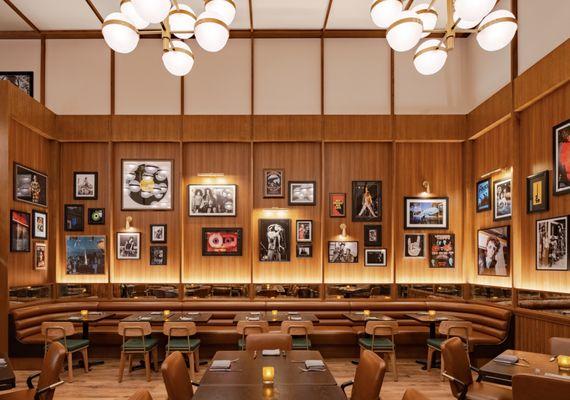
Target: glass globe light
{"points": [[182, 20], [428, 17], [430, 57], [119, 33], [496, 30], [405, 32], [384, 12], [211, 31], [179, 59], [224, 8], [463, 23], [153, 11], [473, 10], [129, 11]]}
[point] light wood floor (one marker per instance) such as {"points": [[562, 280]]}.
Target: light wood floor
{"points": [[101, 382]]}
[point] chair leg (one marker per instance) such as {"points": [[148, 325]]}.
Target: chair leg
{"points": [[191, 364], [122, 366], [70, 366], [196, 359], [442, 368], [85, 356], [429, 358], [130, 363], [147, 365], [394, 367], [155, 358]]}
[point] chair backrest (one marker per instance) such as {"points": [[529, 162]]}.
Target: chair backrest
{"points": [[297, 327], [57, 330], [268, 341], [51, 367], [176, 378], [381, 328], [141, 394], [134, 329], [559, 346], [413, 394], [462, 329], [244, 328], [369, 377], [456, 361], [531, 387], [178, 329]]}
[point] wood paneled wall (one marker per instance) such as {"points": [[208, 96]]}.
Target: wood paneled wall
{"points": [[533, 331]]}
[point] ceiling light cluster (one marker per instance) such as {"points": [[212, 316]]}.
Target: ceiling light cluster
{"points": [[178, 22], [406, 26]]}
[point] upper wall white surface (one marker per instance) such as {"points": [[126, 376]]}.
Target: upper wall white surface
{"points": [[24, 55]]}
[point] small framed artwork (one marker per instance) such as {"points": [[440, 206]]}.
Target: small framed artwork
{"points": [[19, 231], [96, 216], [39, 224], [302, 193], [85, 185], [373, 235], [40, 256], [484, 195], [128, 245], [158, 255], [367, 201], [537, 192], [502, 199], [146, 185], [552, 244], [343, 252], [222, 241], [375, 258], [85, 255], [73, 217], [273, 183], [212, 200], [337, 205], [304, 229], [561, 157], [414, 245], [274, 240], [304, 250], [24, 80], [30, 186], [493, 251], [426, 213], [442, 250], [158, 233]]}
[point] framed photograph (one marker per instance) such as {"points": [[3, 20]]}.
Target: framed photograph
{"points": [[39, 224], [273, 183], [304, 230], [552, 244], [158, 255], [375, 257], [304, 250], [484, 195], [40, 256], [30, 186], [537, 198], [146, 184], [158, 233], [414, 245], [366, 201], [96, 216], [24, 80], [337, 205], [561, 157], [85, 255], [426, 213], [212, 200], [19, 231], [493, 251], [442, 250], [274, 240], [502, 199], [343, 252], [73, 217], [373, 235], [222, 241], [85, 185], [302, 193], [128, 245]]}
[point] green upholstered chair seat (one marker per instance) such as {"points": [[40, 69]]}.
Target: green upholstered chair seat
{"points": [[435, 342], [181, 344], [135, 344], [301, 343], [380, 343], [75, 344]]}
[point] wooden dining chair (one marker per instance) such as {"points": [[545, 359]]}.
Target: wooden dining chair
{"points": [[176, 380], [137, 340], [368, 378], [141, 394], [300, 332], [244, 328], [180, 338], [460, 329], [268, 341], [532, 387], [413, 394], [559, 346], [62, 332], [381, 339]]}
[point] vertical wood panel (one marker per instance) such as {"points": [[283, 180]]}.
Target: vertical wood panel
{"points": [[532, 333]]}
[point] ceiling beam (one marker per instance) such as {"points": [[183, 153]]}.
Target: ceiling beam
{"points": [[21, 15], [328, 13], [251, 15], [94, 9]]}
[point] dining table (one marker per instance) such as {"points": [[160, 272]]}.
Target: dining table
{"points": [[7, 377], [275, 318], [360, 318]]}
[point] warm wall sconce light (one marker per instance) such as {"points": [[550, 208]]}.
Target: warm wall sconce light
{"points": [[426, 186], [343, 230], [128, 222], [211, 174], [496, 171]]}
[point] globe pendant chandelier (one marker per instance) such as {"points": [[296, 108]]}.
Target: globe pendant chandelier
{"points": [[178, 22], [406, 26]]}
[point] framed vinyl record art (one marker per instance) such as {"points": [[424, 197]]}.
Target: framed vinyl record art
{"points": [[30, 186], [493, 251], [426, 213], [537, 189], [561, 157], [274, 240], [366, 201], [222, 241], [85, 255], [552, 244], [96, 216], [212, 200], [147, 185]]}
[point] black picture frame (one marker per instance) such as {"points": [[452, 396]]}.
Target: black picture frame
{"points": [[439, 254], [560, 238], [222, 239], [158, 255], [534, 184], [22, 186], [230, 190], [337, 205], [335, 258], [95, 182], [358, 207], [410, 224], [273, 183], [499, 233], [290, 191], [23, 80], [282, 240], [73, 215], [375, 257], [304, 222], [414, 245], [96, 216], [560, 136], [304, 250], [20, 236], [483, 186], [153, 233], [373, 235], [134, 252], [507, 201], [36, 225]]}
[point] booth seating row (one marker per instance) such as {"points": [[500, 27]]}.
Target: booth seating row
{"points": [[334, 335]]}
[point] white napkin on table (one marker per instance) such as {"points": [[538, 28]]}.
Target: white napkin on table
{"points": [[275, 352], [221, 364], [315, 364]]}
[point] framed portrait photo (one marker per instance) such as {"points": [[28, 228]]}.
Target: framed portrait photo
{"points": [[493, 251], [373, 235], [40, 255], [212, 200], [375, 258], [304, 250], [552, 244], [158, 233], [442, 250], [96, 216], [484, 195], [426, 213], [304, 230], [39, 224], [537, 198], [302, 193], [366, 201], [146, 185], [30, 186], [273, 183], [24, 80], [19, 231], [341, 252], [561, 157], [337, 205], [414, 245], [85, 255], [128, 245], [274, 240], [502, 199], [222, 241], [85, 185], [158, 255], [73, 217]]}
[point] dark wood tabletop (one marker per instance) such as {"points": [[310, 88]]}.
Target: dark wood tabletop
{"points": [[93, 316], [360, 317], [425, 318], [7, 377], [154, 317], [198, 318], [281, 392], [277, 318]]}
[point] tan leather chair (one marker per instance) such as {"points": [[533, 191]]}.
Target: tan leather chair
{"points": [[136, 340], [141, 394], [300, 332], [180, 339], [458, 371], [368, 377], [413, 394], [61, 332], [559, 346], [176, 379], [449, 329], [49, 377], [533, 387], [244, 328], [377, 341], [268, 341]]}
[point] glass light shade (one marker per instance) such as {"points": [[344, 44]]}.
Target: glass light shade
{"points": [[129, 11], [496, 30], [119, 33], [405, 32], [84, 313], [473, 10], [428, 17], [179, 60], [465, 24], [268, 375], [563, 363], [273, 312], [211, 32], [224, 8], [384, 12], [432, 313], [153, 11], [182, 20], [366, 313], [430, 57]]}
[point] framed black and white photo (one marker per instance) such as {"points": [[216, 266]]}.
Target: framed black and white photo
{"points": [[158, 255], [158, 233], [426, 213], [343, 252], [502, 199], [552, 244], [273, 183], [128, 245], [484, 195], [375, 257], [414, 245], [24, 80], [442, 250], [366, 201], [274, 240], [85, 255], [96, 216], [147, 185], [212, 200], [30, 186], [302, 193], [373, 235], [222, 241], [73, 217], [493, 251], [304, 250], [561, 157], [537, 198], [304, 230], [39, 224], [19, 231], [40, 255], [85, 185]]}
